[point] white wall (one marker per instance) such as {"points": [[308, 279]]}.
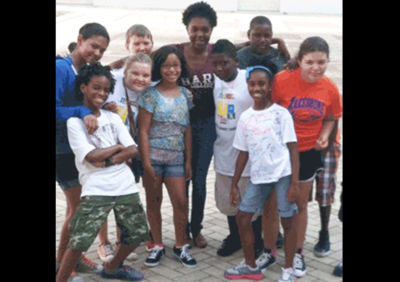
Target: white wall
{"points": [[311, 6], [283, 6], [218, 5]]}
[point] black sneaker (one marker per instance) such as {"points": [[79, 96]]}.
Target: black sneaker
{"points": [[338, 271], [184, 256], [264, 261], [155, 256], [229, 246], [323, 247]]}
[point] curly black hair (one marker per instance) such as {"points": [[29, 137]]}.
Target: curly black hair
{"points": [[87, 72], [224, 46], [202, 10], [160, 56]]}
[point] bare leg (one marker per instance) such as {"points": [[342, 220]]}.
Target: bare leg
{"points": [[177, 194], [72, 196], [290, 240], [301, 218], [153, 208], [120, 255], [70, 259], [103, 234], [270, 221], [243, 220]]}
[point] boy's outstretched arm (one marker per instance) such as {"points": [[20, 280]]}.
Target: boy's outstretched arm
{"points": [[241, 162]]}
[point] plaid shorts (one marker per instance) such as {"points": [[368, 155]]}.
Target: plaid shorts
{"points": [[94, 210], [326, 179]]}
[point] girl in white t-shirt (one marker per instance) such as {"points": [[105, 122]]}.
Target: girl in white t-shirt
{"points": [[266, 137]]}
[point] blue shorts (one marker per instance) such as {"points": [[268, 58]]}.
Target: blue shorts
{"points": [[257, 194], [166, 170], [67, 175]]}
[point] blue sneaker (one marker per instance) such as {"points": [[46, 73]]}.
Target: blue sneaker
{"points": [[124, 273]]}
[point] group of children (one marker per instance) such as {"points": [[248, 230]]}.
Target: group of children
{"points": [[162, 115]]}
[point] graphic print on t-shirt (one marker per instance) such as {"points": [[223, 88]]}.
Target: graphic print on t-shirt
{"points": [[306, 109], [225, 108]]}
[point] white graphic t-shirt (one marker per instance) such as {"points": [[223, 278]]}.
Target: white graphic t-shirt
{"points": [[265, 134], [231, 100], [115, 180]]}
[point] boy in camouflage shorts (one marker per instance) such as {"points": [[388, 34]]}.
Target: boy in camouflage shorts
{"points": [[94, 210], [107, 181]]}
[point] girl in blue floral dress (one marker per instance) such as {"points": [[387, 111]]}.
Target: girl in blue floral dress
{"points": [[165, 148]]}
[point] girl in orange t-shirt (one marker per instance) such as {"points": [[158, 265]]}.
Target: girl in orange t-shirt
{"points": [[315, 104]]}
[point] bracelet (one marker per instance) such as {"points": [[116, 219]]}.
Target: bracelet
{"points": [[109, 162]]}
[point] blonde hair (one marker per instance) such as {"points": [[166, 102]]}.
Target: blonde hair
{"points": [[138, 58], [140, 30]]}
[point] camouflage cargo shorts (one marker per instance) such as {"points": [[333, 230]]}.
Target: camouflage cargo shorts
{"points": [[94, 210]]}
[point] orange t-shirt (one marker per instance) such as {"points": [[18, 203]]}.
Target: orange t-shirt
{"points": [[309, 104]]}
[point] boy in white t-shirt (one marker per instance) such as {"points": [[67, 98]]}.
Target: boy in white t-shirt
{"points": [[231, 98], [107, 181], [266, 137]]}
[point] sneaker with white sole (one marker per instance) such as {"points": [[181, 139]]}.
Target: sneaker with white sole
{"points": [[105, 252], [323, 246], [243, 271], [155, 256], [123, 273], [299, 265], [132, 256], [264, 261], [288, 275], [184, 256]]}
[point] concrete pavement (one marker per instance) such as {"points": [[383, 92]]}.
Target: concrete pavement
{"points": [[167, 27]]}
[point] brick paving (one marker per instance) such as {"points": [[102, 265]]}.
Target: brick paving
{"points": [[167, 27]]}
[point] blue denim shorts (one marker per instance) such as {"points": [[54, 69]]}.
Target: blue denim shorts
{"points": [[67, 175], [257, 194], [166, 170]]}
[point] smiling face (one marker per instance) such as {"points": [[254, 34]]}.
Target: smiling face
{"points": [[171, 69], [96, 92], [259, 87], [137, 76], [139, 44], [224, 66], [260, 36], [199, 31], [92, 48], [313, 66]]}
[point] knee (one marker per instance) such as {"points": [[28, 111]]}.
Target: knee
{"points": [[243, 219], [181, 206]]}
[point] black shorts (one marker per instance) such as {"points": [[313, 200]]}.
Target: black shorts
{"points": [[310, 164]]}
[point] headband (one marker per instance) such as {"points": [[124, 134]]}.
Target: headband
{"points": [[249, 70]]}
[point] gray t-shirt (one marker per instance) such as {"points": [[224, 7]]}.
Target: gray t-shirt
{"points": [[246, 54]]}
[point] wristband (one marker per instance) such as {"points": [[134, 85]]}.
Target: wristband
{"points": [[109, 162]]}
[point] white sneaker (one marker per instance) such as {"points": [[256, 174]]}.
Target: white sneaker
{"points": [[299, 265], [132, 256], [105, 252], [287, 275], [264, 261]]}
